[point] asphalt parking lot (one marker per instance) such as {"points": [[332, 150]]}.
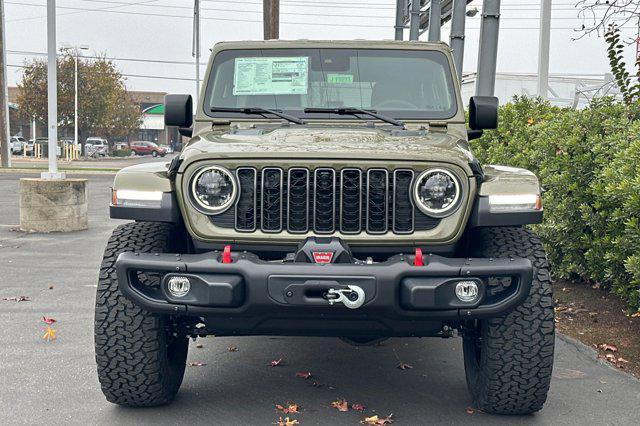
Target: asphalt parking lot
{"points": [[55, 382]]}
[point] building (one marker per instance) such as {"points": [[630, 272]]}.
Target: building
{"points": [[151, 129]]}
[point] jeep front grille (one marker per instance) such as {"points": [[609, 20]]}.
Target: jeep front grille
{"points": [[325, 200]]}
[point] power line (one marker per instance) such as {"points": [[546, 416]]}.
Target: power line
{"points": [[161, 77], [31, 18], [112, 58]]}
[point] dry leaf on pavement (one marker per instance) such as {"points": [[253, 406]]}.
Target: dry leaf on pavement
{"points": [[17, 299], [303, 374], [340, 405], [196, 364], [275, 362], [48, 320], [608, 347], [377, 421], [287, 422], [232, 349], [289, 409], [358, 407]]}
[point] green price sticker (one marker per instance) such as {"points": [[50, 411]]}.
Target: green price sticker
{"points": [[340, 78]]}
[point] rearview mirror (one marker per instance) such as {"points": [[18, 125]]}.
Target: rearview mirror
{"points": [[483, 112], [178, 110]]}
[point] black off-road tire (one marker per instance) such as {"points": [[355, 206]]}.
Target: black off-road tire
{"points": [[140, 363], [508, 360]]}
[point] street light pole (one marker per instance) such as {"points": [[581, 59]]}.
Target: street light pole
{"points": [[52, 96]]}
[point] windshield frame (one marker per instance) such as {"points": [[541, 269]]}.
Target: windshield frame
{"points": [[418, 115]]}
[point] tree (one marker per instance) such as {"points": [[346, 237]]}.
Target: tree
{"points": [[105, 108], [599, 15]]}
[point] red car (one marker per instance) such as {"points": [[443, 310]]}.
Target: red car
{"points": [[147, 148]]}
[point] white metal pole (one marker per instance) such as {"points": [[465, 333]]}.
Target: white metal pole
{"points": [[6, 155], [52, 80], [75, 101], [33, 128], [543, 48], [196, 43]]}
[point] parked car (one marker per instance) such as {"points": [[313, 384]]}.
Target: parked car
{"points": [[367, 220], [17, 144], [147, 148], [43, 143], [96, 147]]}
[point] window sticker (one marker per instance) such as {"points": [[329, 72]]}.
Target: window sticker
{"points": [[271, 76], [340, 78]]}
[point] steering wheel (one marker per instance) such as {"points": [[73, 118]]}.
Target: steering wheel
{"points": [[395, 103]]}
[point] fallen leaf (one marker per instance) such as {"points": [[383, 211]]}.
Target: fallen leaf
{"points": [[50, 334], [358, 407], [377, 421], [622, 360], [340, 405], [232, 349], [530, 121], [48, 320], [275, 362], [403, 366], [196, 364], [17, 299], [199, 345], [608, 347], [636, 315], [287, 422], [289, 409], [303, 374], [610, 357], [51, 287]]}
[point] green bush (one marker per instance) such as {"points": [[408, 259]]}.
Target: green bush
{"points": [[124, 152], [585, 163]]}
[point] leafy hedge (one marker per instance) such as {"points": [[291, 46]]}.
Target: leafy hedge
{"points": [[124, 152], [588, 163]]}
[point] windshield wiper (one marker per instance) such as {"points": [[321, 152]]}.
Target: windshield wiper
{"points": [[260, 111], [355, 111]]}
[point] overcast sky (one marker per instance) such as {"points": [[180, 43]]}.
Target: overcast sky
{"points": [[162, 30]]}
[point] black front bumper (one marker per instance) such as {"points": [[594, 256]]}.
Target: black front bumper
{"points": [[251, 296]]}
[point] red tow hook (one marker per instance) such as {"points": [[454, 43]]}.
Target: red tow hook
{"points": [[418, 260], [226, 254]]}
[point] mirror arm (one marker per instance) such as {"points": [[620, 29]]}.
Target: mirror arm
{"points": [[474, 134], [186, 131]]}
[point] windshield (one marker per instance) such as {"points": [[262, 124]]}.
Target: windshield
{"points": [[404, 84]]}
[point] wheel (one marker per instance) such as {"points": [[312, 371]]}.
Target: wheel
{"points": [[140, 361], [508, 360], [154, 153]]}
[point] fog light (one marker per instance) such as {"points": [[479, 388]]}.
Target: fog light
{"points": [[467, 291], [179, 286]]}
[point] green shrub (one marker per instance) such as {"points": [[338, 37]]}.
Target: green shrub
{"points": [[576, 155], [124, 152]]}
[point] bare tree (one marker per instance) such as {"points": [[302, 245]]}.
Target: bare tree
{"points": [[598, 15]]}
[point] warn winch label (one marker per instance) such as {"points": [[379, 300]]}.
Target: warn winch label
{"points": [[322, 256]]}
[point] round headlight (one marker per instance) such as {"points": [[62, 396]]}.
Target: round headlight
{"points": [[213, 189], [436, 192]]}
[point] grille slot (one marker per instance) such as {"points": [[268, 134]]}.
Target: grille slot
{"points": [[351, 201], [402, 204], [324, 212], [377, 201], [271, 199], [246, 213], [325, 200], [298, 201]]}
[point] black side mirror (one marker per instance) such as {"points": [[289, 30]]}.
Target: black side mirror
{"points": [[186, 131], [483, 112], [178, 110]]}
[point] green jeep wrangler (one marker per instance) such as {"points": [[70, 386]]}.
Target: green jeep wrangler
{"points": [[328, 189]]}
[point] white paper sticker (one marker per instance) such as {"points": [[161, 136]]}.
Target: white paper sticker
{"points": [[271, 76]]}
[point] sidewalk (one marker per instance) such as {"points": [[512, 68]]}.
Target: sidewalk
{"points": [[104, 164]]}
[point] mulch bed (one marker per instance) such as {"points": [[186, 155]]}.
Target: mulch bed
{"points": [[601, 320]]}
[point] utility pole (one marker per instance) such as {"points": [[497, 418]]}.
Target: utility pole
{"points": [[5, 146], [488, 51], [271, 19], [414, 26], [543, 48], [456, 39], [435, 20], [399, 27], [52, 96], [196, 44]]}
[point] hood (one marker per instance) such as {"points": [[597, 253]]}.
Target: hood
{"points": [[322, 142]]}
